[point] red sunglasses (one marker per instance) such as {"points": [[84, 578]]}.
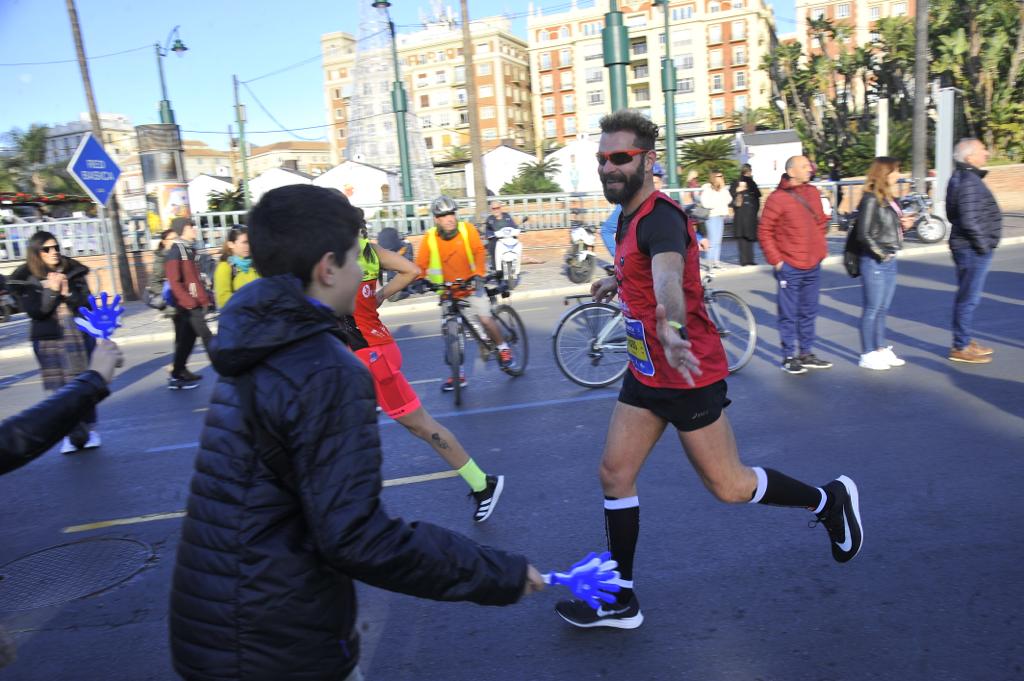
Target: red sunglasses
{"points": [[619, 158]]}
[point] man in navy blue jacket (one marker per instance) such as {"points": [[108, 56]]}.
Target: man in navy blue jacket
{"points": [[977, 225]]}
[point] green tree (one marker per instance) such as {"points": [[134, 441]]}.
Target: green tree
{"points": [[226, 201], [458, 153], [713, 153], [534, 178]]}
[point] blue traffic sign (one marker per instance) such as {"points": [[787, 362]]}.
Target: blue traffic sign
{"points": [[94, 169]]}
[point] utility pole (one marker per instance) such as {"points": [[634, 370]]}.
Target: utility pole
{"points": [[240, 119], [920, 134], [668, 87], [476, 152], [615, 40], [114, 213]]}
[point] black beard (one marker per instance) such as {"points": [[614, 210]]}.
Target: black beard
{"points": [[631, 185]]}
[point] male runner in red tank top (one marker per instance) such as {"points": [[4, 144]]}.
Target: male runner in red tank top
{"points": [[677, 374]]}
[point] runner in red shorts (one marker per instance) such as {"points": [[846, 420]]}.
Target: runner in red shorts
{"points": [[372, 343]]}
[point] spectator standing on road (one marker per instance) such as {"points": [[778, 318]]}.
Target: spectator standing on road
{"points": [[28, 435], [191, 301], [452, 250], [792, 235], [677, 372], [158, 270], [371, 341], [52, 287], [284, 511], [692, 182], [746, 203], [715, 196], [977, 226], [235, 268], [879, 236]]}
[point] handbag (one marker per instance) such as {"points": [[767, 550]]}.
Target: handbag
{"points": [[851, 253], [699, 212]]}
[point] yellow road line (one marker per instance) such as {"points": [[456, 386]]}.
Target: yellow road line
{"points": [[181, 514]]}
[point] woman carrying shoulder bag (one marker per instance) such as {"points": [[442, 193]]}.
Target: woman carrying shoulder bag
{"points": [[879, 236], [51, 288]]}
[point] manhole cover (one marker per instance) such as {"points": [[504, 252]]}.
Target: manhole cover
{"points": [[63, 573]]}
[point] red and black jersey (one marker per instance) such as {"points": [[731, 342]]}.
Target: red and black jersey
{"points": [[636, 297]]}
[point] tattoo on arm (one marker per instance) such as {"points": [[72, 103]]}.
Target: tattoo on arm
{"points": [[439, 441], [667, 269]]}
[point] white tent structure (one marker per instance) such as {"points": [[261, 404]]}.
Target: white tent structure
{"points": [[501, 164], [577, 166], [767, 152], [201, 186], [274, 178], [362, 183]]}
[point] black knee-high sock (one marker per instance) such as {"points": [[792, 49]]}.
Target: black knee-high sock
{"points": [[622, 525], [776, 489]]}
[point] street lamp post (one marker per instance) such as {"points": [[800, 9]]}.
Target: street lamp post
{"points": [[166, 112], [615, 41], [400, 103], [668, 87]]}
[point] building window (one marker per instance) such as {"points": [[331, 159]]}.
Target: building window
{"points": [[640, 71], [425, 122], [642, 94], [636, 20], [739, 56], [594, 75], [875, 12], [483, 69], [341, 133], [441, 98], [565, 58], [569, 125], [716, 82], [339, 114], [548, 106], [440, 77], [686, 110], [715, 59], [463, 118], [714, 33], [566, 80], [424, 101], [684, 62], [563, 32], [486, 113], [429, 141], [483, 48], [874, 37], [682, 38], [899, 9], [568, 103], [737, 4], [485, 91], [592, 28], [549, 128], [843, 11], [684, 85], [739, 103], [546, 83], [460, 96], [639, 48], [717, 107], [714, 8], [818, 13], [739, 30], [595, 97], [739, 80], [337, 93], [545, 61], [460, 74], [681, 13], [490, 134]]}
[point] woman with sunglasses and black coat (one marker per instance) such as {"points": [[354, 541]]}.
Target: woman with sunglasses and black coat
{"points": [[51, 287]]}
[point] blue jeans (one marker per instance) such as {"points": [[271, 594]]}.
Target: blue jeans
{"points": [[714, 226], [971, 271], [798, 308], [879, 279]]}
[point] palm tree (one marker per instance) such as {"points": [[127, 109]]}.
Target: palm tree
{"points": [[458, 153], [715, 153], [752, 119], [225, 201]]}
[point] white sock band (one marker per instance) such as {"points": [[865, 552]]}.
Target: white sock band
{"points": [[624, 583], [762, 485], [618, 504], [824, 498]]}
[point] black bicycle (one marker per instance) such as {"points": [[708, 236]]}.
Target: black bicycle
{"points": [[457, 326]]}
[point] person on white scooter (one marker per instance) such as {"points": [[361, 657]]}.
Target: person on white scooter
{"points": [[504, 250], [498, 219]]}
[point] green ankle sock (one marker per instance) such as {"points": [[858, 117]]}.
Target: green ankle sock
{"points": [[474, 477]]}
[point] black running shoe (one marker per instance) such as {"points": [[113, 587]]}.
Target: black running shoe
{"points": [[189, 376], [791, 365], [615, 615], [179, 382], [812, 361], [487, 498], [841, 518], [449, 384]]}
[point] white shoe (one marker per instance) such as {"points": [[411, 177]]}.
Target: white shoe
{"points": [[66, 447], [891, 357], [874, 360], [94, 440]]}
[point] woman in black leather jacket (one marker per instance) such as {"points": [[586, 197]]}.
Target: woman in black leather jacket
{"points": [[879, 236]]}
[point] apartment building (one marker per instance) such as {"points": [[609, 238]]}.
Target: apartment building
{"points": [[200, 159], [119, 140], [311, 158], [433, 69], [860, 15], [716, 45]]}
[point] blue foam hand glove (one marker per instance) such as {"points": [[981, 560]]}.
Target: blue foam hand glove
{"points": [[590, 580], [103, 318]]}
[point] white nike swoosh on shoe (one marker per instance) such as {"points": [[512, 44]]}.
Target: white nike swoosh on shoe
{"points": [[847, 543], [601, 612]]}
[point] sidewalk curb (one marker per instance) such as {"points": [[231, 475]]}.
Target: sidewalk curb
{"points": [[400, 310]]}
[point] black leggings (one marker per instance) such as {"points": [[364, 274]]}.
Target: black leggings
{"points": [[188, 324]]}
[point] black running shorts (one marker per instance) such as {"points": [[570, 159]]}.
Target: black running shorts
{"points": [[687, 409]]}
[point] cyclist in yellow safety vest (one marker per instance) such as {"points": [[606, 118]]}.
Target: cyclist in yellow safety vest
{"points": [[450, 250]]}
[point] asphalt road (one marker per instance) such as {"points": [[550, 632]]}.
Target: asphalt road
{"points": [[746, 592]]}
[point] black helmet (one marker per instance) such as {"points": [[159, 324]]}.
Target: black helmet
{"points": [[443, 205]]}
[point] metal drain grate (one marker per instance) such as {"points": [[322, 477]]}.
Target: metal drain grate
{"points": [[63, 573]]}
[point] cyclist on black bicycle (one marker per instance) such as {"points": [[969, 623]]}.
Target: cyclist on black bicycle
{"points": [[452, 250]]}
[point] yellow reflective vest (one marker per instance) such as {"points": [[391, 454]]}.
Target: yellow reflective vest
{"points": [[435, 273]]}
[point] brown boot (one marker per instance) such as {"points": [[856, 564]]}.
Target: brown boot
{"points": [[968, 355], [979, 349]]}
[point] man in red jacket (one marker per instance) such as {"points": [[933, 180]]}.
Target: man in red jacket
{"points": [[190, 303], [792, 236]]}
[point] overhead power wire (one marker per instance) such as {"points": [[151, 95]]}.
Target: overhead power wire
{"points": [[71, 61]]}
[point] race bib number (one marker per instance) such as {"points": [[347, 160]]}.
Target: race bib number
{"points": [[636, 347]]}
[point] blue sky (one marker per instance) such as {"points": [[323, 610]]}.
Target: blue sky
{"points": [[224, 37]]}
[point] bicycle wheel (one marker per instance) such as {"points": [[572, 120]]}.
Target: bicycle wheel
{"points": [[581, 356], [930, 228], [514, 332], [736, 327], [453, 345]]}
